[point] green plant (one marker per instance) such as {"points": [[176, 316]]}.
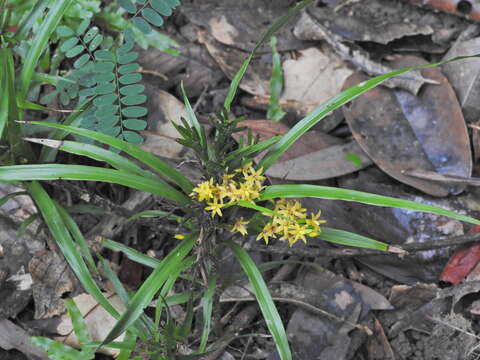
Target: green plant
{"points": [[275, 112], [207, 213]]}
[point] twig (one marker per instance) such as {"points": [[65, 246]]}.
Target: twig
{"points": [[435, 176], [348, 252], [306, 306], [153, 72], [200, 98]]}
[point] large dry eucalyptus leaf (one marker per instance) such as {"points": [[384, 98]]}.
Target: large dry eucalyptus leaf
{"points": [[329, 162], [314, 156], [241, 24], [383, 21], [257, 78], [464, 76], [314, 76], [400, 131], [164, 109]]}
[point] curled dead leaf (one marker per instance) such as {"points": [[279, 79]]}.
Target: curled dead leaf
{"points": [[400, 131]]}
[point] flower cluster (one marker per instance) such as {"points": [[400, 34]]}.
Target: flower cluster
{"points": [[290, 223], [228, 191], [289, 220]]}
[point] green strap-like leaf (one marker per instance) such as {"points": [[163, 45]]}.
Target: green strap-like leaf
{"points": [[97, 153], [91, 173], [47, 208], [150, 287], [79, 325], [275, 112], [333, 193], [207, 304], [143, 156], [132, 254], [267, 306], [78, 237], [192, 119], [350, 239], [39, 43]]}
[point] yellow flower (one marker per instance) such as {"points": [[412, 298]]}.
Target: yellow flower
{"points": [[215, 207], [204, 190], [294, 209], [297, 232], [267, 232], [314, 224], [179, 236], [246, 192], [254, 176], [240, 226]]}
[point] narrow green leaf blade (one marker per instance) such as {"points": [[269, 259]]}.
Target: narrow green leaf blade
{"points": [[207, 304], [192, 119], [39, 43], [243, 69], [59, 231], [143, 156], [350, 239], [79, 325], [150, 287], [91, 173], [333, 193], [267, 306]]}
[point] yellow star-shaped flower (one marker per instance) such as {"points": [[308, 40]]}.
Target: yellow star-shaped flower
{"points": [[240, 226], [204, 190], [215, 207]]}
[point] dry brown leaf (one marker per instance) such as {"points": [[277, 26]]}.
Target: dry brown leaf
{"points": [[464, 76], [256, 79], [164, 109], [97, 319], [314, 156], [314, 76], [400, 131]]}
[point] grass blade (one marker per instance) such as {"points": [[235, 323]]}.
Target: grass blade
{"points": [[267, 306], [60, 233], [4, 99], [192, 119], [232, 90], [91, 173], [57, 350], [347, 238], [29, 20], [252, 150], [143, 324], [275, 112], [150, 287], [153, 213], [143, 156], [333, 103], [48, 154], [79, 325], [40, 42], [207, 303], [132, 254], [96, 153], [77, 236], [333, 193]]}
